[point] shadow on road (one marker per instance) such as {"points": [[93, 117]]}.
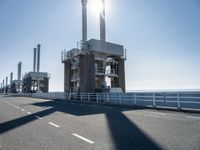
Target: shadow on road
{"points": [[125, 134]]}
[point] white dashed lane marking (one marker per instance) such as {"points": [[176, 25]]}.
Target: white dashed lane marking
{"points": [[83, 138], [53, 124], [38, 117], [29, 112]]}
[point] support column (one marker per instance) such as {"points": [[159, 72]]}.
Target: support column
{"points": [[67, 72]]}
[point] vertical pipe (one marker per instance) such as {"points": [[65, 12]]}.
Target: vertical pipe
{"points": [[6, 81], [38, 57], [84, 23], [34, 58], [102, 23], [3, 83], [19, 70], [11, 77]]}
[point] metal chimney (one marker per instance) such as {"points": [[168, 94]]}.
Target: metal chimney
{"points": [[6, 81], [34, 59], [102, 23], [84, 23], [11, 77], [38, 57], [3, 83], [19, 71]]}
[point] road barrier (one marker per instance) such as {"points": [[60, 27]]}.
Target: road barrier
{"points": [[176, 100]]}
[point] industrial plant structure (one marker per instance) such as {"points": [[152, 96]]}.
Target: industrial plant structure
{"points": [[94, 65], [36, 81], [16, 85], [32, 82]]}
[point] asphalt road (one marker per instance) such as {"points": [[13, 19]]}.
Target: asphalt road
{"points": [[37, 124]]}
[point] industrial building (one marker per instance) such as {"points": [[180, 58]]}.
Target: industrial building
{"points": [[94, 65], [36, 81], [2, 89], [16, 85]]}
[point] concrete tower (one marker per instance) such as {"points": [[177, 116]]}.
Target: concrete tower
{"points": [[86, 68]]}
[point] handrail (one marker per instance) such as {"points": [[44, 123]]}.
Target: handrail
{"points": [[178, 100]]}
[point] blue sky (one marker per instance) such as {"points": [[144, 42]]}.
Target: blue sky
{"points": [[162, 38]]}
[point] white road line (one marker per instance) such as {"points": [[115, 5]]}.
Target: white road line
{"points": [[18, 107], [192, 117], [38, 117], [22, 109], [53, 124], [14, 106], [29, 112], [82, 138]]}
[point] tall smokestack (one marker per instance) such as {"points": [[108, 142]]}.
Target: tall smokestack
{"points": [[19, 71], [84, 23], [11, 77], [3, 83], [38, 57], [34, 59], [102, 23], [6, 81]]}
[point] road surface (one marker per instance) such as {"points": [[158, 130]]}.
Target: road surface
{"points": [[41, 124]]}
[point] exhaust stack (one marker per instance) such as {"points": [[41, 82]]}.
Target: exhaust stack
{"points": [[38, 57], [11, 77], [34, 59], [102, 23], [19, 70], [6, 81], [84, 23]]}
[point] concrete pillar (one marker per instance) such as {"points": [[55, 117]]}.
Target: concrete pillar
{"points": [[11, 77], [102, 23], [6, 81], [34, 59], [121, 70], [67, 73], [3, 83], [19, 70], [84, 23], [87, 74], [38, 57]]}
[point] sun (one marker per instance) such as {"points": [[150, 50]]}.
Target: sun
{"points": [[95, 6]]}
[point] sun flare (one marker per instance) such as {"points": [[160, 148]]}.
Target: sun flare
{"points": [[95, 6]]}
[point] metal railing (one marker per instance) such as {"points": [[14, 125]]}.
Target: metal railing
{"points": [[176, 100]]}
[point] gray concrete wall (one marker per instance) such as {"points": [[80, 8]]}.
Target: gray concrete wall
{"points": [[87, 74], [66, 77], [121, 70]]}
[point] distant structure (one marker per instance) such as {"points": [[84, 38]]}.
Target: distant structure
{"points": [[16, 85], [94, 65], [36, 81], [6, 87], [1, 88]]}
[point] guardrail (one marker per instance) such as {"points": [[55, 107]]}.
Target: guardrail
{"points": [[177, 100]]}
